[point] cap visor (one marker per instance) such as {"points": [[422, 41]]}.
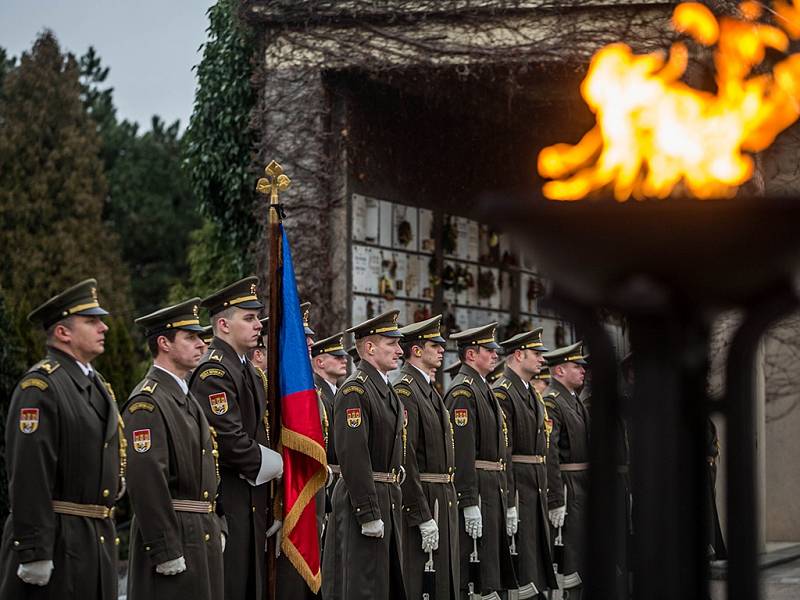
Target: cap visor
{"points": [[197, 328], [93, 312], [309, 331], [492, 346], [338, 353]]}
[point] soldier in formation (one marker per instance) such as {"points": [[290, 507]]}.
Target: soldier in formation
{"points": [[526, 418], [481, 448], [65, 456], [430, 506], [568, 461], [177, 534]]}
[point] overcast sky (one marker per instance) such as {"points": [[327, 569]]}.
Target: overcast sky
{"points": [[150, 46]]}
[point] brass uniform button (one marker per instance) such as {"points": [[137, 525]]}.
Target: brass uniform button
{"points": [[16, 542], [147, 548], [102, 539], [116, 541], [205, 494], [254, 509], [204, 451], [207, 537], [106, 493]]}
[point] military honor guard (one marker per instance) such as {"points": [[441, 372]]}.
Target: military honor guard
{"points": [[363, 552], [541, 380], [527, 421], [568, 461], [329, 363], [258, 355], [430, 506], [233, 397], [65, 456], [177, 537], [481, 447]]}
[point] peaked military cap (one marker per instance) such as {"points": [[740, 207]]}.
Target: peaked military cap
{"points": [[330, 345], [305, 308], [178, 316], [543, 374], [207, 335], [453, 368], [477, 336], [497, 372], [527, 340], [241, 294], [384, 324], [428, 330], [80, 299], [573, 353]]}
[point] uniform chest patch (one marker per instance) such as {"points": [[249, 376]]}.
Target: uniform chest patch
{"points": [[354, 417], [28, 420], [461, 416], [219, 403], [141, 440]]}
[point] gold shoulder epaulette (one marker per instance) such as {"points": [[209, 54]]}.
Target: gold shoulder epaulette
{"points": [[353, 388], [506, 383], [211, 372], [46, 366], [406, 379], [217, 356], [402, 390], [141, 406], [148, 387], [40, 384], [468, 380]]}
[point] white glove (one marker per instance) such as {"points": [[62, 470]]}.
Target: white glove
{"points": [[172, 567], [222, 540], [271, 466], [373, 528], [473, 521], [512, 521], [557, 516], [275, 529], [36, 572], [430, 535]]}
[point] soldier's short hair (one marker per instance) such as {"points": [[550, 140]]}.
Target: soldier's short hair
{"points": [[51, 331], [223, 314], [406, 347], [152, 341]]}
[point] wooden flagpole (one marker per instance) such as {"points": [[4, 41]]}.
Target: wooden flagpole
{"points": [[275, 181]]}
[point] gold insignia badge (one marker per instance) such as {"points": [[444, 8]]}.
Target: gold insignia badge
{"points": [[34, 382], [212, 372], [141, 440], [28, 420], [141, 406], [217, 356], [461, 416], [219, 403], [94, 294], [194, 312], [253, 289], [354, 417]]}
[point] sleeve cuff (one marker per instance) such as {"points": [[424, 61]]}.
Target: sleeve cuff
{"points": [[161, 550], [467, 498], [367, 510], [271, 467], [416, 514]]}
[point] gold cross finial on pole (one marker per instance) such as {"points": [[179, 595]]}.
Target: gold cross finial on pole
{"points": [[274, 182]]}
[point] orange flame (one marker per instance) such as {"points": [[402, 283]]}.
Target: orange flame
{"points": [[654, 132]]}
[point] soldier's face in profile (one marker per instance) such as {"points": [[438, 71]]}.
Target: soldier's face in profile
{"points": [[85, 336], [387, 352], [532, 361], [332, 367], [485, 360], [187, 349], [432, 355], [242, 329], [573, 375]]}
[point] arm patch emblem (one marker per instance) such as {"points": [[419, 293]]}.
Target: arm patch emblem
{"points": [[461, 416], [403, 391], [141, 406], [28, 420], [34, 382], [212, 372], [219, 403], [217, 356], [141, 440], [462, 392], [353, 417], [501, 395], [353, 388]]}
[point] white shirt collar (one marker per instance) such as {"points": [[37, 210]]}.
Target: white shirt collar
{"points": [[86, 369], [385, 377], [331, 385], [424, 374], [181, 383]]}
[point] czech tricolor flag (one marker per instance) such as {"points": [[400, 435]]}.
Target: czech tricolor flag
{"points": [[304, 463]]}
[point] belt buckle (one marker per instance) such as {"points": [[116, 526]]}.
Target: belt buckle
{"points": [[502, 464]]}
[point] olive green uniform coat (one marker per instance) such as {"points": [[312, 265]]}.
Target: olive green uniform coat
{"points": [[67, 448], [526, 418], [177, 464], [233, 398], [569, 443], [429, 449], [368, 427], [480, 434]]}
